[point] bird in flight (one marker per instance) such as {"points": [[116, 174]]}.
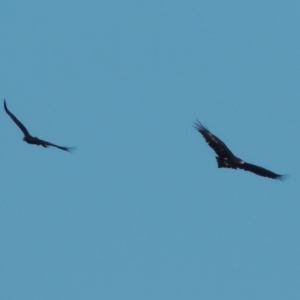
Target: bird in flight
{"points": [[28, 138], [226, 159]]}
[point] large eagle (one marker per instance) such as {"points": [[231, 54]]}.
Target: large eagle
{"points": [[28, 138], [226, 159]]}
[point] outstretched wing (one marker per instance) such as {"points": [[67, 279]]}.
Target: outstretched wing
{"points": [[215, 143], [20, 125], [261, 171], [47, 144]]}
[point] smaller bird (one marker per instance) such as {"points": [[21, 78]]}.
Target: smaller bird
{"points": [[226, 159], [28, 138]]}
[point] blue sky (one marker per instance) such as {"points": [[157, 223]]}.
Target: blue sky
{"points": [[140, 210]]}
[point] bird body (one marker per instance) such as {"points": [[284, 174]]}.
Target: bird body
{"points": [[226, 159]]}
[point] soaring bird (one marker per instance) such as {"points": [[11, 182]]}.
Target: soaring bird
{"points": [[28, 138], [226, 159]]}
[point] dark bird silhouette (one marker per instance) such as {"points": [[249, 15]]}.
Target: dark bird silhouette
{"points": [[226, 159], [28, 138]]}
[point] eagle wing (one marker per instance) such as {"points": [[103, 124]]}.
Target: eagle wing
{"points": [[261, 171], [215, 143], [20, 125], [47, 144]]}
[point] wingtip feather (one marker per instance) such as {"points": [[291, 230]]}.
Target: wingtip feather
{"points": [[282, 177], [199, 126]]}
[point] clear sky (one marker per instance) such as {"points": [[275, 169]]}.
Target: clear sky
{"points": [[140, 211]]}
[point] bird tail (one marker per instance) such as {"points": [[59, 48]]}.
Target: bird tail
{"points": [[222, 162]]}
